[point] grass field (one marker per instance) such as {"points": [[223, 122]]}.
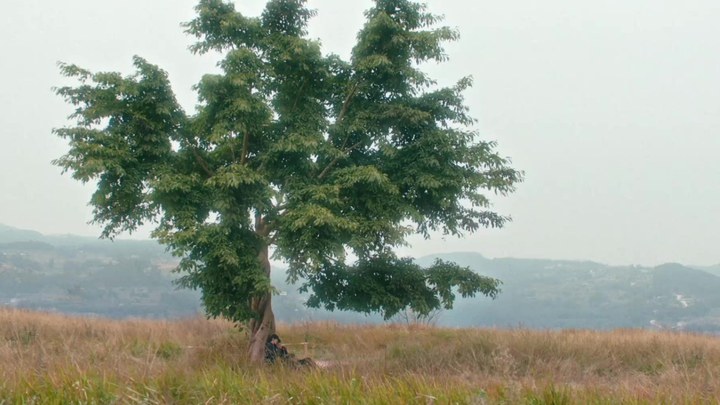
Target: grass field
{"points": [[55, 359]]}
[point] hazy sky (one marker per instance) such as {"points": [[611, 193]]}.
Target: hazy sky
{"points": [[611, 107]]}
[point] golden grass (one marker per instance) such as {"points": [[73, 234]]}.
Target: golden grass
{"points": [[50, 358]]}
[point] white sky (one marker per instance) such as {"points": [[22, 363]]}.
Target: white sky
{"points": [[611, 107]]}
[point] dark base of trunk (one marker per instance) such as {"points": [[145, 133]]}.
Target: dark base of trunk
{"points": [[260, 329], [264, 325]]}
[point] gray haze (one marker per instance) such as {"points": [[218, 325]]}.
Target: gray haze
{"points": [[612, 108]]}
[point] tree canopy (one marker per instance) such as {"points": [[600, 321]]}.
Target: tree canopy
{"points": [[327, 164]]}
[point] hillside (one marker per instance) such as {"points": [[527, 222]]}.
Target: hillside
{"points": [[570, 294], [87, 276], [121, 279], [60, 360]]}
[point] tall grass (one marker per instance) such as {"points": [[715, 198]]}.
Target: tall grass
{"points": [[55, 359]]}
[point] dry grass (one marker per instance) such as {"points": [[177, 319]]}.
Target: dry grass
{"points": [[49, 358]]}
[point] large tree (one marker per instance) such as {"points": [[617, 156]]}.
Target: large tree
{"points": [[325, 163]]}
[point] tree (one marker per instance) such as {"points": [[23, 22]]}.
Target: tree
{"points": [[327, 164], [411, 318]]}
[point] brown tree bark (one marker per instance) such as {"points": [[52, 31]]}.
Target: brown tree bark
{"points": [[264, 325]]}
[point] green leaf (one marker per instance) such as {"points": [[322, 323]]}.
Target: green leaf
{"points": [[313, 157]]}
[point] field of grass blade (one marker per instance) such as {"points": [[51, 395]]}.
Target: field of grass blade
{"points": [[55, 359]]}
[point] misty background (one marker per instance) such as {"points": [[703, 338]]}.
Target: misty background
{"points": [[611, 108], [133, 279]]}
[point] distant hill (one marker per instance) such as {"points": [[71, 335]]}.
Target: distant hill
{"points": [[88, 276], [10, 234], [553, 294], [570, 294], [715, 270], [124, 278]]}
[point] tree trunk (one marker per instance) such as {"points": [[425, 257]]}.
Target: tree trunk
{"points": [[264, 325]]}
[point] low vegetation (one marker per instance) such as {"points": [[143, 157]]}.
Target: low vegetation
{"points": [[50, 358]]}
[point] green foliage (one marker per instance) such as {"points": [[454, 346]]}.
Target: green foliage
{"points": [[305, 153], [550, 396], [389, 285]]}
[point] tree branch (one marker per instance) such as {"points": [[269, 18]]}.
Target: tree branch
{"points": [[337, 158], [346, 103], [297, 98], [201, 161], [341, 116], [262, 228], [245, 149]]}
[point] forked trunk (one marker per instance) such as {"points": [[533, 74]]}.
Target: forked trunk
{"points": [[264, 325]]}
